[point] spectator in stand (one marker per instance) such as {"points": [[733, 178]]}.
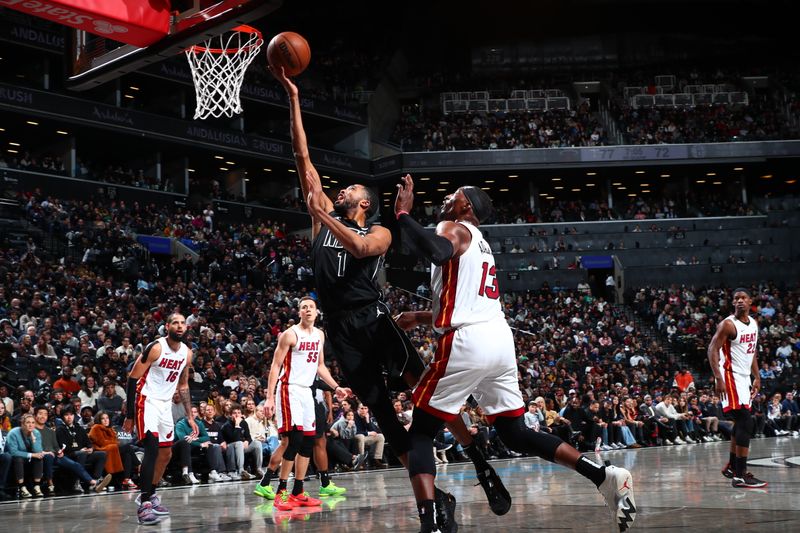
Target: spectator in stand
{"points": [[215, 441], [76, 445], [111, 403], [24, 443], [683, 380], [5, 466], [201, 447], [67, 382], [368, 434], [119, 459], [236, 434], [89, 392], [790, 413], [5, 419]]}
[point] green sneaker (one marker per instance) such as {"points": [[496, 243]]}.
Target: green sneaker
{"points": [[331, 490], [265, 492]]}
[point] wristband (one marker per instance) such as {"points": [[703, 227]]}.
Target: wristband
{"points": [[401, 213]]}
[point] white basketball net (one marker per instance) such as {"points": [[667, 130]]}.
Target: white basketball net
{"points": [[218, 68]]}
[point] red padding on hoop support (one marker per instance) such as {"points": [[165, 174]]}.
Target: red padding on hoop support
{"points": [[137, 22]]}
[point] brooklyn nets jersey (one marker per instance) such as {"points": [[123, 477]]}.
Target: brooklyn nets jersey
{"points": [[343, 281]]}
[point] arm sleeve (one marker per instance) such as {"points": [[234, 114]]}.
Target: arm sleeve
{"points": [[436, 249], [131, 399]]}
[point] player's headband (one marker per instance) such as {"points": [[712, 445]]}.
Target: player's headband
{"points": [[480, 202]]}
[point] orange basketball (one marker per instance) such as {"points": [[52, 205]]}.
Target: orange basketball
{"points": [[290, 51]]}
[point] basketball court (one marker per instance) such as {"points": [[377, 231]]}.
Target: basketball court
{"points": [[677, 488]]}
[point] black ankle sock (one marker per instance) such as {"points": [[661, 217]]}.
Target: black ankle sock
{"points": [[475, 455], [426, 514], [281, 485], [297, 488], [324, 478], [732, 460], [266, 479], [741, 466], [591, 470]]}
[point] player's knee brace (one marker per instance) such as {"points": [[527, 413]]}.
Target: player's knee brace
{"points": [[150, 444], [295, 442], [520, 438], [307, 446], [420, 456]]}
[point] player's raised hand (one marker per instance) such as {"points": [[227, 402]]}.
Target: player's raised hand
{"points": [[405, 195], [316, 200], [280, 75]]}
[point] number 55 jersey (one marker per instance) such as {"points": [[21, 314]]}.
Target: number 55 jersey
{"points": [[294, 402]]}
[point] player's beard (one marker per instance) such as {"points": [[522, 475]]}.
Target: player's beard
{"points": [[343, 207], [174, 336]]}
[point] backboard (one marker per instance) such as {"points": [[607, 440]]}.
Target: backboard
{"points": [[96, 57]]}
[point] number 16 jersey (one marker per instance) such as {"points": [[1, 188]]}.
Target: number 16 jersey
{"points": [[301, 363], [465, 289]]}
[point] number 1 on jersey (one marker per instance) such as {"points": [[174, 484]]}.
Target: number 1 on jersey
{"points": [[490, 291], [342, 263]]}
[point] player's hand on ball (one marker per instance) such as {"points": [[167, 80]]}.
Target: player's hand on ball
{"points": [[280, 75], [405, 195]]}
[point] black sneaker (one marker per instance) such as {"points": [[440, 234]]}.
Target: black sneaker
{"points": [[749, 481], [496, 493], [728, 471], [445, 511]]}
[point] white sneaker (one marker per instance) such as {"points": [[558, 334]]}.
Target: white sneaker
{"points": [[689, 440], [224, 477], [620, 446], [679, 440], [617, 489], [795, 433], [716, 438], [214, 477], [667, 442], [606, 447], [194, 480]]}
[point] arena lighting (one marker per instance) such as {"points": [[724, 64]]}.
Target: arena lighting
{"points": [[738, 168], [62, 132], [621, 188], [128, 95], [766, 177], [444, 183], [542, 194], [591, 173], [717, 183], [441, 190], [293, 171], [709, 174], [503, 190], [132, 88], [701, 181], [427, 202], [559, 188], [421, 192], [2, 129], [326, 177], [326, 186], [10, 151], [424, 179], [631, 194], [486, 188], [550, 198], [513, 176], [218, 157], [664, 175], [589, 184], [32, 123], [387, 194], [791, 181], [644, 184], [223, 168], [247, 179], [334, 181], [640, 171], [14, 144], [556, 179], [575, 190], [190, 169], [267, 170], [646, 190], [229, 163], [616, 183], [489, 181]]}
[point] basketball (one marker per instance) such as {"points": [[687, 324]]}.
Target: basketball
{"points": [[290, 51]]}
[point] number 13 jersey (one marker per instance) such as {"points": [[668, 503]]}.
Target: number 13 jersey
{"points": [[465, 289], [301, 363]]}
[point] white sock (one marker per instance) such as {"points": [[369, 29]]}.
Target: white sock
{"points": [[213, 472], [185, 470]]}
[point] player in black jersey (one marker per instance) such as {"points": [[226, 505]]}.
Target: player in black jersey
{"points": [[347, 254]]}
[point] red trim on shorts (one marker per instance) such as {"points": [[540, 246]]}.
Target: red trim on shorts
{"points": [[140, 400], [514, 413], [730, 379], [732, 408], [441, 415], [283, 431], [427, 384], [447, 300], [310, 433], [164, 444]]}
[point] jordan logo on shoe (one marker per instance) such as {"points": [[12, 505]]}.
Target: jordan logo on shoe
{"points": [[625, 485]]}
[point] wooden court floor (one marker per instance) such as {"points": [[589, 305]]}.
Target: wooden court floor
{"points": [[678, 488]]}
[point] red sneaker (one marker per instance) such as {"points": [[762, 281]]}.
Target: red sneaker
{"points": [[283, 501], [304, 500]]}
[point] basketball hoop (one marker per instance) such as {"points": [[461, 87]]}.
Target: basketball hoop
{"points": [[218, 68]]}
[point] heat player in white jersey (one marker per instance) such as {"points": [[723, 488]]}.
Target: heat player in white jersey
{"points": [[298, 359], [732, 355], [476, 354], [162, 368]]}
